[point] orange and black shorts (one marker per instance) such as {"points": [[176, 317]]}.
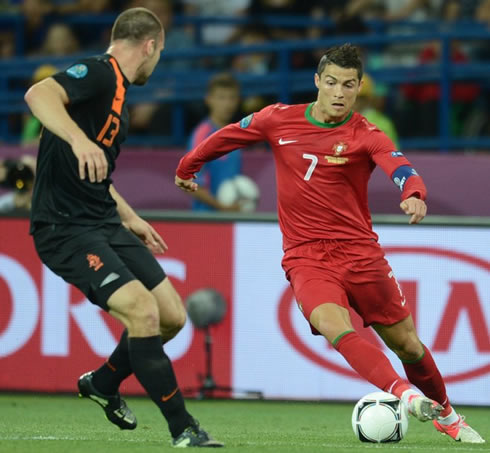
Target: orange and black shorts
{"points": [[97, 259]]}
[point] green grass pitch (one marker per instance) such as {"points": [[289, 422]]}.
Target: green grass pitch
{"points": [[67, 424]]}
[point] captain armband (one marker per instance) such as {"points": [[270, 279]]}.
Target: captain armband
{"points": [[401, 175]]}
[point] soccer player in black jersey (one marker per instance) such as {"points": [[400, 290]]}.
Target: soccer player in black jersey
{"points": [[85, 232]]}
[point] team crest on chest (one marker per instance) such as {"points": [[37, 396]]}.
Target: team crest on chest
{"points": [[338, 148]]}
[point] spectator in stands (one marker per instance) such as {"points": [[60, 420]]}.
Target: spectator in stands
{"points": [[6, 6], [391, 10], [60, 41], [482, 12], [90, 36], [222, 99], [370, 105], [482, 16], [7, 44], [35, 14], [215, 34], [257, 63], [482, 52], [253, 62], [459, 10], [288, 8], [416, 10], [347, 18], [421, 113], [88, 6]]}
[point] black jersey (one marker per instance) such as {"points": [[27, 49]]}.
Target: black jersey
{"points": [[96, 89]]}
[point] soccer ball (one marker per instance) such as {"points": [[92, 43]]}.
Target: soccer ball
{"points": [[240, 189], [380, 417]]}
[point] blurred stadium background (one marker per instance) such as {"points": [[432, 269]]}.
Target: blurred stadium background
{"points": [[428, 63]]}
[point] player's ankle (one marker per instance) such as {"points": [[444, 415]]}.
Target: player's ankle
{"points": [[447, 411], [448, 416], [398, 388], [408, 395]]}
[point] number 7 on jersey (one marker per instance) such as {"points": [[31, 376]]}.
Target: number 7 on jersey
{"points": [[311, 168]]}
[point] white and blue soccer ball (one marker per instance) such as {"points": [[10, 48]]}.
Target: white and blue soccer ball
{"points": [[379, 417], [239, 189]]}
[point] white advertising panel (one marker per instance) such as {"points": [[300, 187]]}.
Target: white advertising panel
{"points": [[445, 274]]}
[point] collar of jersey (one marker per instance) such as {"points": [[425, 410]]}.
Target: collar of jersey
{"points": [[318, 123], [125, 79]]}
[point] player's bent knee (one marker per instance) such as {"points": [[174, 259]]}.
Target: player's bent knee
{"points": [[169, 328], [331, 320], [172, 313], [145, 317], [179, 320], [139, 311], [410, 349]]}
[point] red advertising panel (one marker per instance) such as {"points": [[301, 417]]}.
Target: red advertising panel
{"points": [[50, 334]]}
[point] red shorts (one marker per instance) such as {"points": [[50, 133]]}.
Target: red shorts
{"points": [[347, 273]]}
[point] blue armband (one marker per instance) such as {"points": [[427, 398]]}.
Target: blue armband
{"points": [[401, 174]]}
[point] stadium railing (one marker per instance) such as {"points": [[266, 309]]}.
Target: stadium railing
{"points": [[283, 82]]}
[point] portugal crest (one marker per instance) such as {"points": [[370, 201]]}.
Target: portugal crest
{"points": [[339, 148]]}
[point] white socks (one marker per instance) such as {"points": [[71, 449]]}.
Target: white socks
{"points": [[450, 419], [406, 396]]}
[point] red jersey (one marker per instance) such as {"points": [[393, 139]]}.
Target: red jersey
{"points": [[322, 170]]}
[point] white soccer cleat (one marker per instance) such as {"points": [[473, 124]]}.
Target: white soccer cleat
{"points": [[423, 408], [460, 431]]}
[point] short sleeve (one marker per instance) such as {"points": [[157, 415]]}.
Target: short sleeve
{"points": [[85, 80]]}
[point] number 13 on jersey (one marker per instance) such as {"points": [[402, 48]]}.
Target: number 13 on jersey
{"points": [[106, 136]]}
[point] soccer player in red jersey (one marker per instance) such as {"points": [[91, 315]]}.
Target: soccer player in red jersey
{"points": [[324, 155]]}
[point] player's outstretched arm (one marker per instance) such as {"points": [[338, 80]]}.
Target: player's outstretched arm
{"points": [[415, 208], [47, 100]]}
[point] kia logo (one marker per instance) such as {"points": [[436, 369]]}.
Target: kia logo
{"points": [[454, 278]]}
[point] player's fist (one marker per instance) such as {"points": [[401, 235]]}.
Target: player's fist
{"points": [[188, 185], [414, 207]]}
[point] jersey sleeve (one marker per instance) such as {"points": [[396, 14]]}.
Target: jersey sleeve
{"points": [[398, 168], [85, 80], [249, 130]]}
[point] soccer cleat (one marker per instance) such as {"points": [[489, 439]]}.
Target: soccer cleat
{"points": [[114, 406], [423, 408], [460, 431], [195, 436]]}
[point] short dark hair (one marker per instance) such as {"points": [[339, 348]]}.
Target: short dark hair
{"points": [[223, 80], [136, 24], [345, 56]]}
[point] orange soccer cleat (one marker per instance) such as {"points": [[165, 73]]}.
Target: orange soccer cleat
{"points": [[460, 431]]}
